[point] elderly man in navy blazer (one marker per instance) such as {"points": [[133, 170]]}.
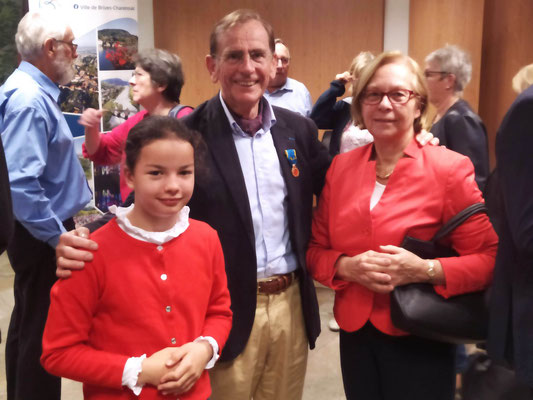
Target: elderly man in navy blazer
{"points": [[265, 163]]}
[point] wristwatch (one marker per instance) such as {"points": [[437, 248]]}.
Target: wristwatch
{"points": [[431, 269]]}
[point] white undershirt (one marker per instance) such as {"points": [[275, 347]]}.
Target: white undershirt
{"points": [[376, 194]]}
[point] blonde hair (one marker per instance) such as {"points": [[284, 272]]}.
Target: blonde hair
{"points": [[523, 79], [419, 86], [359, 62]]}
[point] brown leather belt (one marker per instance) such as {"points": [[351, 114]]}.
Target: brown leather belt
{"points": [[276, 284]]}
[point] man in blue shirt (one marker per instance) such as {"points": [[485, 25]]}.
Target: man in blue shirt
{"points": [[283, 91], [48, 187]]}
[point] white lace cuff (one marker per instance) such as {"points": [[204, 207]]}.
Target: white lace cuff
{"points": [[132, 369], [214, 345]]}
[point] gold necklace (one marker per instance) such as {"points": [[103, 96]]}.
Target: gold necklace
{"points": [[384, 177]]}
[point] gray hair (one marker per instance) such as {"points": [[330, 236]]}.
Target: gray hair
{"points": [[165, 69], [34, 29], [453, 60]]}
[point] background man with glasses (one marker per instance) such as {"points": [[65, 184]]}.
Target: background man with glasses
{"points": [[48, 187], [286, 92]]}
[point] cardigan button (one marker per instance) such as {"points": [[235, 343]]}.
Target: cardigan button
{"points": [[167, 308], [164, 277], [173, 340], [159, 248]]}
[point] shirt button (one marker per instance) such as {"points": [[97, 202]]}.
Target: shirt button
{"points": [[159, 248], [167, 308], [173, 340], [163, 277]]}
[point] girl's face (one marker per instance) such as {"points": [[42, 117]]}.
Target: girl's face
{"points": [[163, 180], [142, 87]]}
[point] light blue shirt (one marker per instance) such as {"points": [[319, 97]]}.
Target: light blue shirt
{"points": [[47, 182], [293, 96], [267, 195]]}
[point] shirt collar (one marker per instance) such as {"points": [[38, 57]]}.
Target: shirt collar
{"points": [[48, 86], [412, 150], [287, 87], [269, 119]]}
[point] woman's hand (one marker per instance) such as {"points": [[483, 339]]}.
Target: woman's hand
{"points": [[187, 363], [344, 77], [369, 269], [406, 267], [90, 118]]}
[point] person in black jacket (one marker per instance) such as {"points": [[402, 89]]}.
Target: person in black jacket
{"points": [[448, 70], [328, 113]]}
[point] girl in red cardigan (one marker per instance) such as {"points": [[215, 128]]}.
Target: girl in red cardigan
{"points": [[156, 286]]}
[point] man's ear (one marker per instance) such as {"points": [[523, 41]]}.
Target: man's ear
{"points": [[211, 64], [48, 47]]}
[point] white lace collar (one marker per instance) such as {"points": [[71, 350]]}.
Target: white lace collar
{"points": [[146, 236]]}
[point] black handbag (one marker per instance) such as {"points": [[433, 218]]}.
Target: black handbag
{"points": [[419, 310]]}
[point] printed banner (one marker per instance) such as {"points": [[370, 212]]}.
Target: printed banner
{"points": [[106, 33]]}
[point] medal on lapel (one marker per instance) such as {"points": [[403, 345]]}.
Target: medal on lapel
{"points": [[291, 156]]}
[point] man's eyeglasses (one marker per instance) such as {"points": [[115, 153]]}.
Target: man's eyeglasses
{"points": [[284, 60], [428, 73], [73, 46], [398, 96]]}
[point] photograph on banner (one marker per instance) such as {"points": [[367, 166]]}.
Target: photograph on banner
{"points": [[117, 101], [118, 42], [82, 91]]}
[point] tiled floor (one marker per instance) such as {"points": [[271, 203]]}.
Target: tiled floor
{"points": [[323, 379]]}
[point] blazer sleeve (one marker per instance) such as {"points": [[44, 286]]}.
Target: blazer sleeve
{"points": [[326, 110], [218, 317], [515, 167], [321, 257], [466, 134], [474, 240], [73, 303]]}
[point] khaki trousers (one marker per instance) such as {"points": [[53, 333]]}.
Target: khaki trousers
{"points": [[273, 363]]}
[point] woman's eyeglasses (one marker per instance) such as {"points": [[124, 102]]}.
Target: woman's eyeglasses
{"points": [[398, 96]]}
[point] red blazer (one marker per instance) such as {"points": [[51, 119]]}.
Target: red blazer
{"points": [[428, 187]]}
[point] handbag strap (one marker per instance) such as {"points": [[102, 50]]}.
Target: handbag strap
{"points": [[458, 219]]}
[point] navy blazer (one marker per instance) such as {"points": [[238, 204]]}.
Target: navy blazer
{"points": [[221, 200], [460, 129], [511, 309]]}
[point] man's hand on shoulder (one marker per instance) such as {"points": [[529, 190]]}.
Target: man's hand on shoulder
{"points": [[71, 251], [425, 137]]}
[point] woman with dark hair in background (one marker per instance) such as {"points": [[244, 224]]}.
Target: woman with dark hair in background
{"points": [[156, 85]]}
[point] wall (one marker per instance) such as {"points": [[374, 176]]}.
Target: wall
{"points": [[322, 39], [507, 46], [435, 23]]}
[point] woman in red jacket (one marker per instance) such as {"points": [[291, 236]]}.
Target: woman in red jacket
{"points": [[374, 196]]}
